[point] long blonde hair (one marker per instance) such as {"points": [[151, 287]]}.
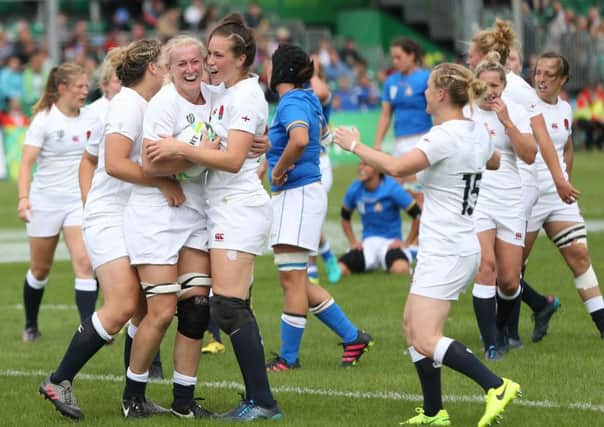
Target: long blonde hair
{"points": [[64, 74]]}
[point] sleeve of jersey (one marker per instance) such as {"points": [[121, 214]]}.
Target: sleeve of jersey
{"points": [[403, 199], [350, 202], [95, 139], [35, 133], [385, 91], [159, 117], [245, 115], [123, 119], [436, 146], [293, 117]]}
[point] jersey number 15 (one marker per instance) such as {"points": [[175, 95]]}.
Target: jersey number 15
{"points": [[470, 192]]}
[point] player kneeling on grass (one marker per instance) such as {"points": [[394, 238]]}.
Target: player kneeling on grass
{"points": [[449, 161], [299, 203], [379, 199]]}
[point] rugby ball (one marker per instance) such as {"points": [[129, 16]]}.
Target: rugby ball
{"points": [[192, 134]]}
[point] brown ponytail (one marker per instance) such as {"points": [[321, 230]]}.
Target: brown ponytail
{"points": [[63, 74]]}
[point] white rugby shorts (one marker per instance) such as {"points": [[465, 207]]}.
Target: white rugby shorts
{"points": [[104, 240], [550, 208], [50, 213], [298, 215], [156, 235], [443, 277], [509, 223]]}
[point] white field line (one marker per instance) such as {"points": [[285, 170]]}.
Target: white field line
{"points": [[14, 246], [385, 395]]}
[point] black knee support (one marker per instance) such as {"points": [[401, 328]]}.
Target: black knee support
{"points": [[193, 316], [354, 260], [230, 313], [394, 255]]}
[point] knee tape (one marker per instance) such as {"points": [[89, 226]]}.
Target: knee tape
{"points": [[570, 234], [230, 313], [193, 316], [587, 280], [190, 280], [292, 261], [354, 260], [151, 289]]}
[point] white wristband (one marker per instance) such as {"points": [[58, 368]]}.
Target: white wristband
{"points": [[353, 146]]}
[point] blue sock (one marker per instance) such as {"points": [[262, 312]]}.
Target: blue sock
{"points": [[292, 329], [312, 272], [332, 315], [325, 251]]}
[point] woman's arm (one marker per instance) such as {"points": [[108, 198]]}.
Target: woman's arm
{"points": [[524, 144], [88, 165], [353, 243], [298, 140], [569, 157], [566, 191], [408, 164], [382, 125], [28, 159], [229, 160], [119, 165]]}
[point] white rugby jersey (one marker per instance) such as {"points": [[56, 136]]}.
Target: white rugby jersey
{"points": [[558, 121], [240, 107], [502, 185], [109, 195], [457, 151], [61, 140], [169, 113], [98, 108], [520, 92]]}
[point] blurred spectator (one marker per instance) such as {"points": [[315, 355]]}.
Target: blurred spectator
{"points": [[283, 36], [345, 97], [193, 14], [556, 26], [254, 15], [34, 79], [324, 49], [211, 17], [11, 81], [121, 18], [594, 18], [152, 10], [168, 24], [25, 44], [6, 48], [14, 116], [368, 94], [336, 68], [588, 115], [137, 32], [349, 53]]}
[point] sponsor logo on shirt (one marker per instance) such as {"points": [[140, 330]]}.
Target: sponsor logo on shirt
{"points": [[218, 237], [518, 236], [75, 139], [554, 125], [245, 118], [60, 134], [191, 118]]}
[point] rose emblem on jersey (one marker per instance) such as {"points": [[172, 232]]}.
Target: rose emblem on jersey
{"points": [[220, 112], [566, 124], [88, 134]]}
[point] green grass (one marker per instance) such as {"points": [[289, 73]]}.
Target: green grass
{"points": [[561, 376]]}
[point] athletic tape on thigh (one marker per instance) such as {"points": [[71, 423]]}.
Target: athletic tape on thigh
{"points": [[151, 289], [568, 235], [292, 261], [188, 280], [587, 280]]}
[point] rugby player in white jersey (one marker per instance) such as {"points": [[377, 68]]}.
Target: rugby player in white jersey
{"points": [[110, 86], [51, 202], [500, 214], [138, 69], [169, 244], [501, 38], [239, 209], [449, 161], [562, 222]]}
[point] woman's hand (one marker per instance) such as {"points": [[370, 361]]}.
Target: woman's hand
{"points": [[165, 148], [172, 191], [210, 144], [24, 209], [502, 111], [260, 145], [345, 137]]}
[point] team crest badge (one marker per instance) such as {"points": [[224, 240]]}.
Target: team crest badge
{"points": [[409, 91], [378, 207], [191, 118]]}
